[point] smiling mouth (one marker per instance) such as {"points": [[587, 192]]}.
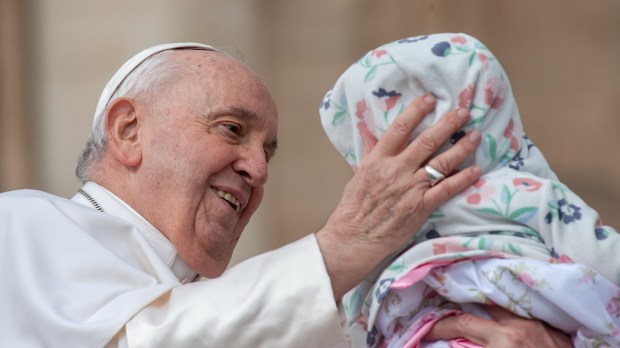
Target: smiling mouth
{"points": [[228, 197]]}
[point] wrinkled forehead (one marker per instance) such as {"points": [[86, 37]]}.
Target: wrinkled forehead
{"points": [[226, 85]]}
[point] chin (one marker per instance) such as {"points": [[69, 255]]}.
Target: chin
{"points": [[214, 271], [216, 262]]}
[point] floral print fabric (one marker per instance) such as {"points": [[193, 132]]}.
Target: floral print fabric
{"points": [[518, 228]]}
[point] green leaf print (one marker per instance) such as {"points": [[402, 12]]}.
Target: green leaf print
{"points": [[352, 303], [338, 117], [490, 147], [532, 233], [523, 215], [397, 267], [370, 74], [490, 211], [472, 57], [506, 197], [515, 249], [482, 243], [436, 214]]}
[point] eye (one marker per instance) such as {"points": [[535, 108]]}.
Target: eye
{"points": [[232, 128]]}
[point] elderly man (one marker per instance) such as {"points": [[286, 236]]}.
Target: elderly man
{"points": [[173, 170]]}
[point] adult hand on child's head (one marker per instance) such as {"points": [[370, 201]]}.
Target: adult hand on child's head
{"points": [[506, 330], [390, 195]]}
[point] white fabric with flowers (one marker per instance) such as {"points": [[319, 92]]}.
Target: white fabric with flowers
{"points": [[518, 238]]}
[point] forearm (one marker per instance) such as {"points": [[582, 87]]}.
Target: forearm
{"points": [[347, 262]]}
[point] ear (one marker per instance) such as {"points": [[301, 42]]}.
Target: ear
{"points": [[122, 125]]}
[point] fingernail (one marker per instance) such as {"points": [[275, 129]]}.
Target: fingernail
{"points": [[474, 136], [477, 170], [429, 99], [463, 113]]}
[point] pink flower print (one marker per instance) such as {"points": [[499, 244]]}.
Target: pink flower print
{"points": [[527, 279], [466, 96], [565, 259], [447, 247], [599, 221], [479, 192], [361, 108], [484, 60], [474, 198], [508, 133], [391, 101], [526, 184], [494, 93], [390, 97], [362, 322], [561, 259], [514, 143], [613, 306], [378, 53], [459, 39], [439, 248], [509, 129], [368, 138]]}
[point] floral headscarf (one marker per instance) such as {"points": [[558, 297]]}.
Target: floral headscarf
{"points": [[518, 209], [459, 71]]}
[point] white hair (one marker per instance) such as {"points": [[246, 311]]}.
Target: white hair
{"points": [[145, 81]]}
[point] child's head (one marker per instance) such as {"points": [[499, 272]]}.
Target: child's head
{"points": [[458, 70]]}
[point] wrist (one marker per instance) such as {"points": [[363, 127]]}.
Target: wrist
{"points": [[347, 260]]}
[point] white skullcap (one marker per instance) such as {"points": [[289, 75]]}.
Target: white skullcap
{"points": [[133, 63]]}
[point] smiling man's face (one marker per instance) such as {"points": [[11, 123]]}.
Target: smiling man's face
{"points": [[207, 142]]}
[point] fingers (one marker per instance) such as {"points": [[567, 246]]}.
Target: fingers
{"points": [[450, 186], [471, 327], [424, 145], [446, 163], [500, 314], [551, 337], [395, 137], [506, 330]]}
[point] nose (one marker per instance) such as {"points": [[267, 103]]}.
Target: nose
{"points": [[252, 165]]}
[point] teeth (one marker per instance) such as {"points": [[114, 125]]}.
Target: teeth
{"points": [[229, 198]]}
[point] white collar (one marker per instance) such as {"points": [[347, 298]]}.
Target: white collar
{"points": [[115, 206]]}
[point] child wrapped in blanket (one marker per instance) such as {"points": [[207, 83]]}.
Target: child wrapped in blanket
{"points": [[518, 238]]}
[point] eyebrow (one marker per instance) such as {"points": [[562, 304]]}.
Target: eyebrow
{"points": [[242, 112], [250, 115]]}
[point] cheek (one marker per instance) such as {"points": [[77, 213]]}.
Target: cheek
{"points": [[255, 200]]}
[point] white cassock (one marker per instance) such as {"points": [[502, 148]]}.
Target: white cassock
{"points": [[73, 276]]}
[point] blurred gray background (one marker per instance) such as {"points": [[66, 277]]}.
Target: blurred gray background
{"points": [[56, 55]]}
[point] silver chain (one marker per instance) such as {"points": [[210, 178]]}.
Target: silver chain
{"points": [[91, 200]]}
